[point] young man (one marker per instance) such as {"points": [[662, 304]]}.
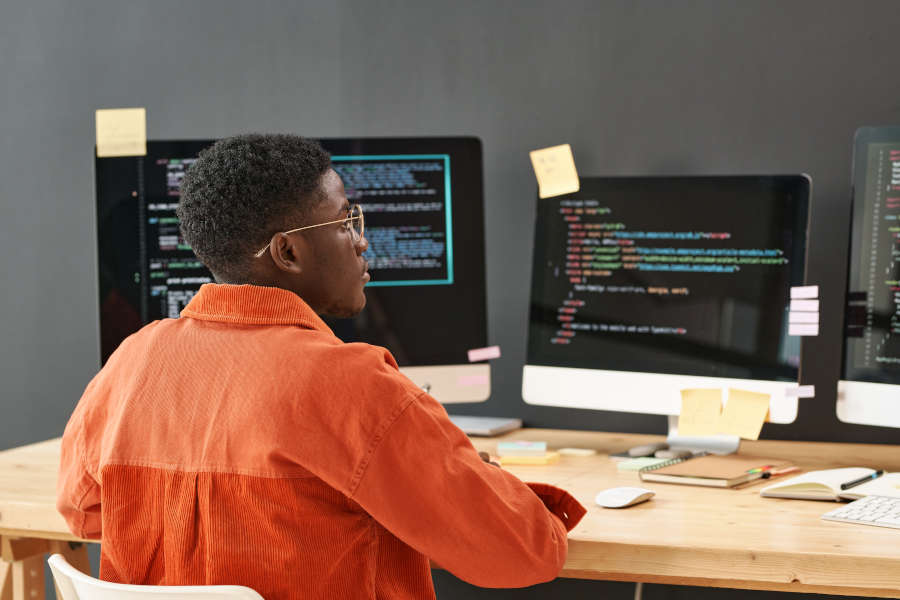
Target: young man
{"points": [[243, 443]]}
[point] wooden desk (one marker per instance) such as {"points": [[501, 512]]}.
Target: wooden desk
{"points": [[30, 526], [686, 535], [689, 535]]}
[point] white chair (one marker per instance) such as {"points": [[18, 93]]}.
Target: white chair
{"points": [[75, 585]]}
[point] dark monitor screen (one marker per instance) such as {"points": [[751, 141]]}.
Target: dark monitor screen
{"points": [[872, 317], [671, 275], [423, 203]]}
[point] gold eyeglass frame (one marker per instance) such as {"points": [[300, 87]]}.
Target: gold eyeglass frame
{"points": [[359, 216]]}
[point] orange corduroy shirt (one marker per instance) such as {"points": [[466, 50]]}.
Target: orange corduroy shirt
{"points": [[245, 444]]}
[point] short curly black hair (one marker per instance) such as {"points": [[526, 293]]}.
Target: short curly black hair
{"points": [[243, 189]]}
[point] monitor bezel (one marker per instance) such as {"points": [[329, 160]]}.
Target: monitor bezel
{"points": [[861, 401]]}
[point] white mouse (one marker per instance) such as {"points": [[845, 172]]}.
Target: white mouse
{"points": [[620, 497]]}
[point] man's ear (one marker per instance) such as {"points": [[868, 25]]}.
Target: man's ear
{"points": [[286, 252]]}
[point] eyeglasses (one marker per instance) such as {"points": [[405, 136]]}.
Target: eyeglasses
{"points": [[354, 223]]}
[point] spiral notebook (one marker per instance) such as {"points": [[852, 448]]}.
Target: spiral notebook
{"points": [[712, 470]]}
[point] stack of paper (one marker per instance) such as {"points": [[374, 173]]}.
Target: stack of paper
{"points": [[525, 453], [521, 448]]}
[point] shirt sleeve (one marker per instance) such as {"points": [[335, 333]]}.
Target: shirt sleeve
{"points": [[77, 492], [424, 482]]}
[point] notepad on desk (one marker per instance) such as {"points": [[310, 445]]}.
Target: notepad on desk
{"points": [[713, 470], [826, 485]]}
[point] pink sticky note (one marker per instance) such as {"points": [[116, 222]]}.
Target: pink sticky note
{"points": [[805, 291], [801, 391], [805, 305], [803, 317], [484, 353], [803, 329], [469, 380]]}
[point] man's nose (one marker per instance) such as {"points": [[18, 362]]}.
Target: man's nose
{"points": [[362, 245]]}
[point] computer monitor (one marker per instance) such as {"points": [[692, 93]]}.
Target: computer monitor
{"points": [[869, 387], [644, 286], [423, 203]]}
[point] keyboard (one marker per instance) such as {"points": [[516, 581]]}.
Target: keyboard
{"points": [[485, 426], [881, 511]]}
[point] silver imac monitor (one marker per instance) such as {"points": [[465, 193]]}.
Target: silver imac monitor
{"points": [[644, 286], [869, 388], [423, 201]]}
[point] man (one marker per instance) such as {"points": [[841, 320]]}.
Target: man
{"points": [[245, 444]]}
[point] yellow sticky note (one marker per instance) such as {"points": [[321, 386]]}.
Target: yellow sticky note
{"points": [[744, 414], [554, 168], [121, 132], [700, 412]]}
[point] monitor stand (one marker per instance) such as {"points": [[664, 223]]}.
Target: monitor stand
{"points": [[714, 444]]}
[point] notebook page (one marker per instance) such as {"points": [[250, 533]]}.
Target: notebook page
{"points": [[886, 485]]}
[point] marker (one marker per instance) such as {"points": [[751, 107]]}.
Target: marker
{"points": [[758, 469], [855, 482]]}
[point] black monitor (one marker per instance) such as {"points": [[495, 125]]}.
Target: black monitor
{"points": [[644, 286], [423, 201], [869, 387]]}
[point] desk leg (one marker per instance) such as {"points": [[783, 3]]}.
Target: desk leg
{"points": [[76, 555], [28, 578], [23, 562], [5, 580], [22, 565]]}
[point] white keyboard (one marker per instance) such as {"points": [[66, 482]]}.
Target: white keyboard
{"points": [[881, 511]]}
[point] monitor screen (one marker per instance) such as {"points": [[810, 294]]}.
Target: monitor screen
{"points": [[872, 348], [422, 199], [868, 391], [672, 276]]}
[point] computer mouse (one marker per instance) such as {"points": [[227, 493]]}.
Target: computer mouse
{"points": [[620, 497], [647, 449], [670, 453]]}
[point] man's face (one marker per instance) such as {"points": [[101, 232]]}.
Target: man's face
{"points": [[333, 270]]}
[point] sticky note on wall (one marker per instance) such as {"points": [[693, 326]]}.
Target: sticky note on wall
{"points": [[744, 414], [554, 168], [700, 412], [121, 132]]}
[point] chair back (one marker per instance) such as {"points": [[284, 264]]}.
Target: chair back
{"points": [[75, 585]]}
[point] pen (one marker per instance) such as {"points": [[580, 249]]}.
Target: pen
{"points": [[855, 482]]}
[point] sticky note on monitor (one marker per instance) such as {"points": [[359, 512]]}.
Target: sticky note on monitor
{"points": [[479, 354], [805, 305], [803, 329], [121, 132], [803, 317], [805, 291], [744, 414], [701, 410], [554, 168], [801, 391], [470, 380]]}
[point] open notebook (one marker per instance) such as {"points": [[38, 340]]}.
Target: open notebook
{"points": [[826, 485]]}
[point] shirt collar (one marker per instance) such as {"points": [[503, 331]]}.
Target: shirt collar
{"points": [[251, 305]]}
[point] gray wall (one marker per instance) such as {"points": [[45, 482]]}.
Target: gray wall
{"points": [[637, 87]]}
